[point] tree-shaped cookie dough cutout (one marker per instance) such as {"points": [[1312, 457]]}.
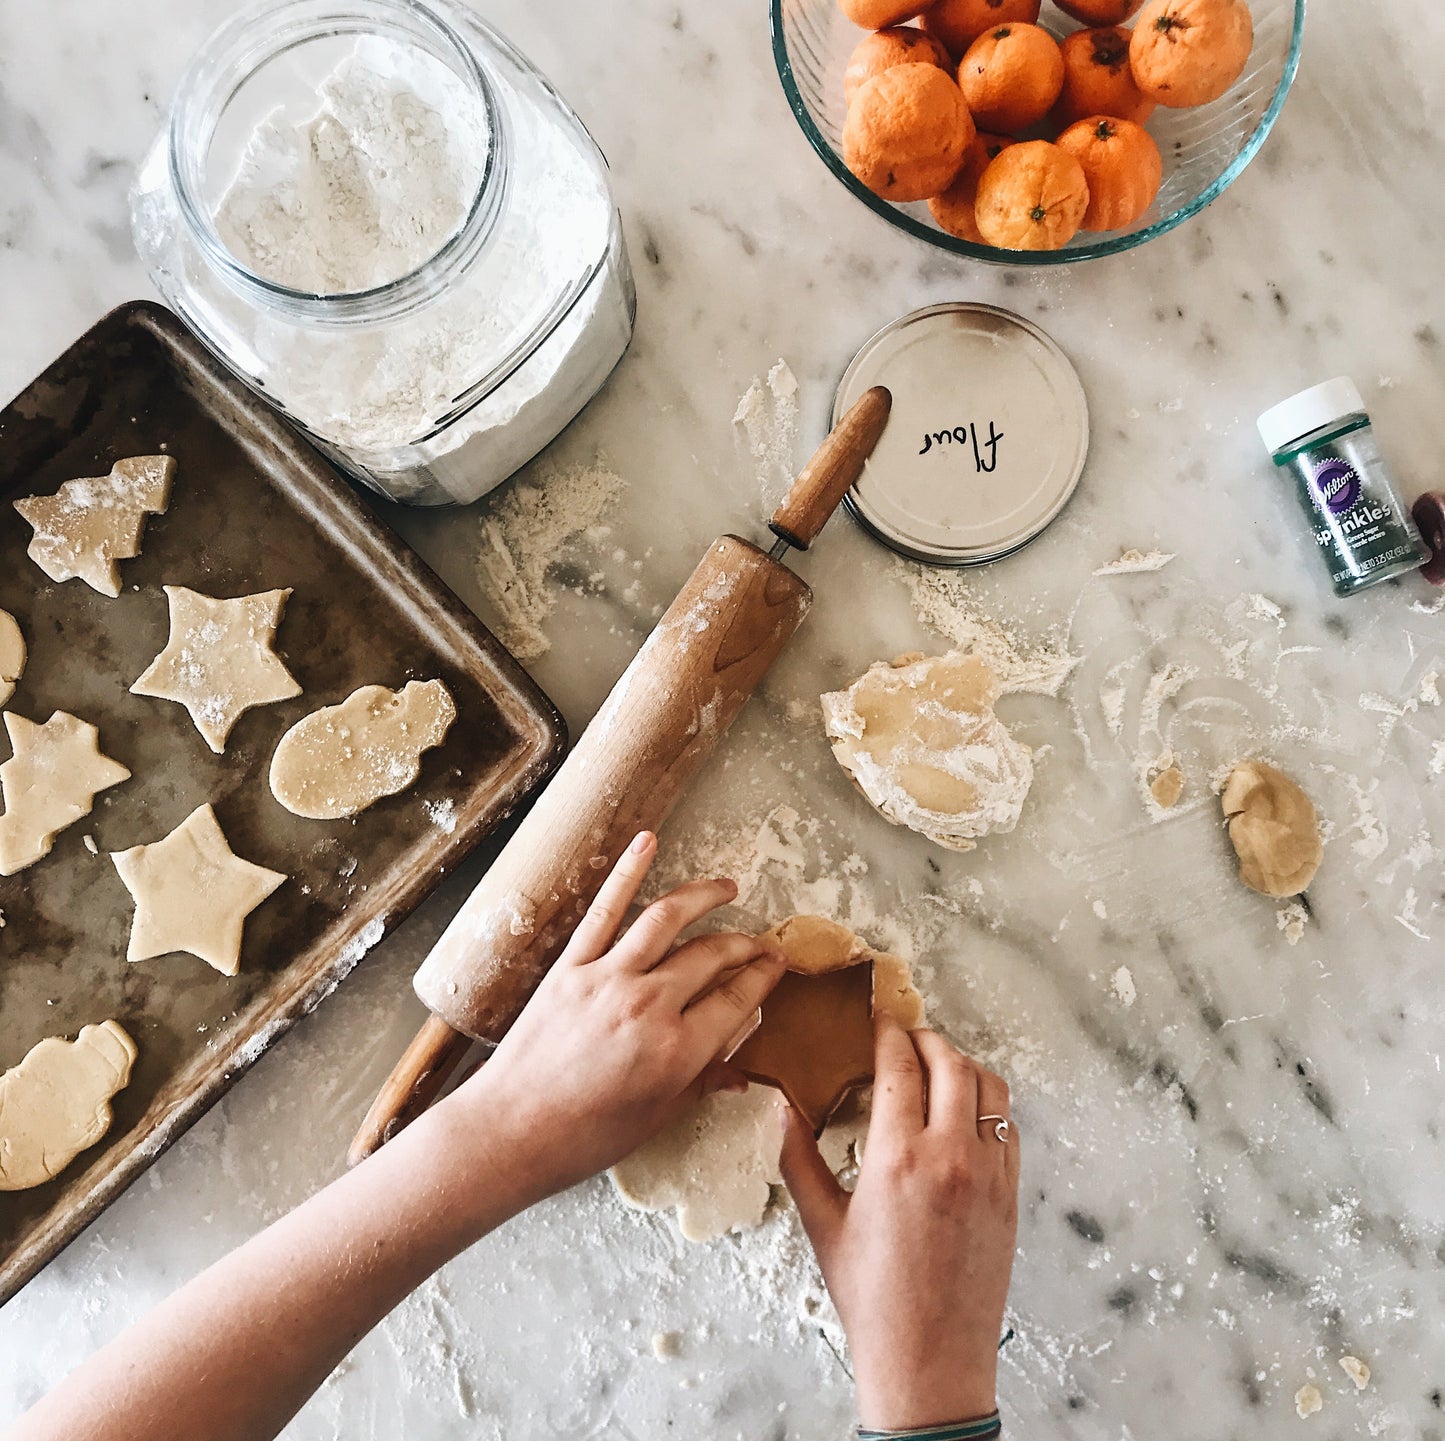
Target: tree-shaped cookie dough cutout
{"points": [[218, 662], [192, 893], [49, 782], [56, 1102], [92, 522]]}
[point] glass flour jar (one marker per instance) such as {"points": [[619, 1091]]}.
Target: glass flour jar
{"points": [[388, 223]]}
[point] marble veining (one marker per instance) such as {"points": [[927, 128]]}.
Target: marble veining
{"points": [[1234, 1158]]}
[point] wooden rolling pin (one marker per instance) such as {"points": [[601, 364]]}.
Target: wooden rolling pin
{"points": [[691, 677]]}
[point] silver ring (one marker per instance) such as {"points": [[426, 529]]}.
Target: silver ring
{"points": [[1000, 1130]]}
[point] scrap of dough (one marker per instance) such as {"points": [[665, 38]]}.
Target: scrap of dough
{"points": [[218, 662], [1135, 562], [342, 758], [50, 781], [1356, 1370], [1273, 830], [12, 655], [92, 522], [1307, 1400], [921, 741], [56, 1102], [192, 893], [1167, 787], [716, 1165]]}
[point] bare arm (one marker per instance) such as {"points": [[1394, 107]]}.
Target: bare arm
{"points": [[620, 1036]]}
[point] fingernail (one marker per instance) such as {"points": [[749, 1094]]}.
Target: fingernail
{"points": [[640, 842]]}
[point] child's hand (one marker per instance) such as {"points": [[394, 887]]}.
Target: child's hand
{"points": [[622, 1034], [918, 1258]]}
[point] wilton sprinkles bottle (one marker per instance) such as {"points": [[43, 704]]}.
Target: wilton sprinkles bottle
{"points": [[1323, 435]]}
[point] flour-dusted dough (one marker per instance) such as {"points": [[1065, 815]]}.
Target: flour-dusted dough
{"points": [[56, 1102], [218, 662], [717, 1164], [192, 892], [920, 739], [50, 781], [90, 523], [12, 655], [342, 758]]}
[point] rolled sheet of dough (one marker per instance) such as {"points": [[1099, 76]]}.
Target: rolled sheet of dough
{"points": [[92, 522], [342, 758], [716, 1166], [919, 738], [12, 655], [56, 1102]]}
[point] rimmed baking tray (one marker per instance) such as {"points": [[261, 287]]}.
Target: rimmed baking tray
{"points": [[254, 506]]}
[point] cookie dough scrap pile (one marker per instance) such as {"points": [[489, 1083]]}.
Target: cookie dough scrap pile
{"points": [[716, 1166], [919, 737]]}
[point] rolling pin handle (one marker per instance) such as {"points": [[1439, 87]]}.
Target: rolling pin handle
{"points": [[835, 465], [415, 1082]]}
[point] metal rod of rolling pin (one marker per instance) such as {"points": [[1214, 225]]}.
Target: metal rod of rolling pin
{"points": [[432, 1058]]}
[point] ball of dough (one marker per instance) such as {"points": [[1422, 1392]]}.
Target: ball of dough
{"points": [[1273, 829]]}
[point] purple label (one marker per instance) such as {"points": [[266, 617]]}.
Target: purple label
{"points": [[1337, 486]]}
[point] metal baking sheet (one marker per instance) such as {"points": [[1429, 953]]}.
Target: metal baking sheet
{"points": [[253, 507]]}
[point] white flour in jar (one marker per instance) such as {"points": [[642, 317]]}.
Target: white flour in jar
{"points": [[447, 398], [369, 187]]}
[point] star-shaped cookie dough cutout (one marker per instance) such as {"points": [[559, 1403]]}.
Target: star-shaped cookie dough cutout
{"points": [[815, 1042], [218, 662], [50, 781], [92, 522], [192, 892]]}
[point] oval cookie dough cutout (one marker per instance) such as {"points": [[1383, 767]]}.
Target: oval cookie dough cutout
{"points": [[56, 1102], [343, 758], [12, 655]]}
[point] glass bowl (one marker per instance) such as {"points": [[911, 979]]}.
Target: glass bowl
{"points": [[1205, 149]]}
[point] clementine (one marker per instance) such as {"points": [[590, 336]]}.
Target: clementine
{"points": [[1189, 52], [958, 23], [954, 209], [1032, 197], [1011, 77], [880, 14], [907, 132], [898, 45], [1122, 166], [1099, 12], [1098, 80]]}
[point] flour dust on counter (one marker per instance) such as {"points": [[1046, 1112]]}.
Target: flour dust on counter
{"points": [[534, 536], [767, 416]]}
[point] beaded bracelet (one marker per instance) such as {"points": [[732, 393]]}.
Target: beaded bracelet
{"points": [[982, 1428]]}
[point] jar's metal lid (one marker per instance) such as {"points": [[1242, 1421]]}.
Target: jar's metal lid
{"points": [[986, 440]]}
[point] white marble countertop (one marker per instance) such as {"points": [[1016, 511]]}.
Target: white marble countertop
{"points": [[1234, 1175]]}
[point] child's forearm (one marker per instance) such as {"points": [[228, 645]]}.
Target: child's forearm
{"points": [[236, 1352]]}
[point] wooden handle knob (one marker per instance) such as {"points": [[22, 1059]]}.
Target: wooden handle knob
{"points": [[415, 1082], [836, 464]]}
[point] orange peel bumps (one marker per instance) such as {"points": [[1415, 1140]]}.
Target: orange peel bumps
{"points": [[1033, 197], [1189, 52], [1122, 166], [958, 23], [898, 45], [907, 132], [954, 210], [1098, 80], [1011, 77]]}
